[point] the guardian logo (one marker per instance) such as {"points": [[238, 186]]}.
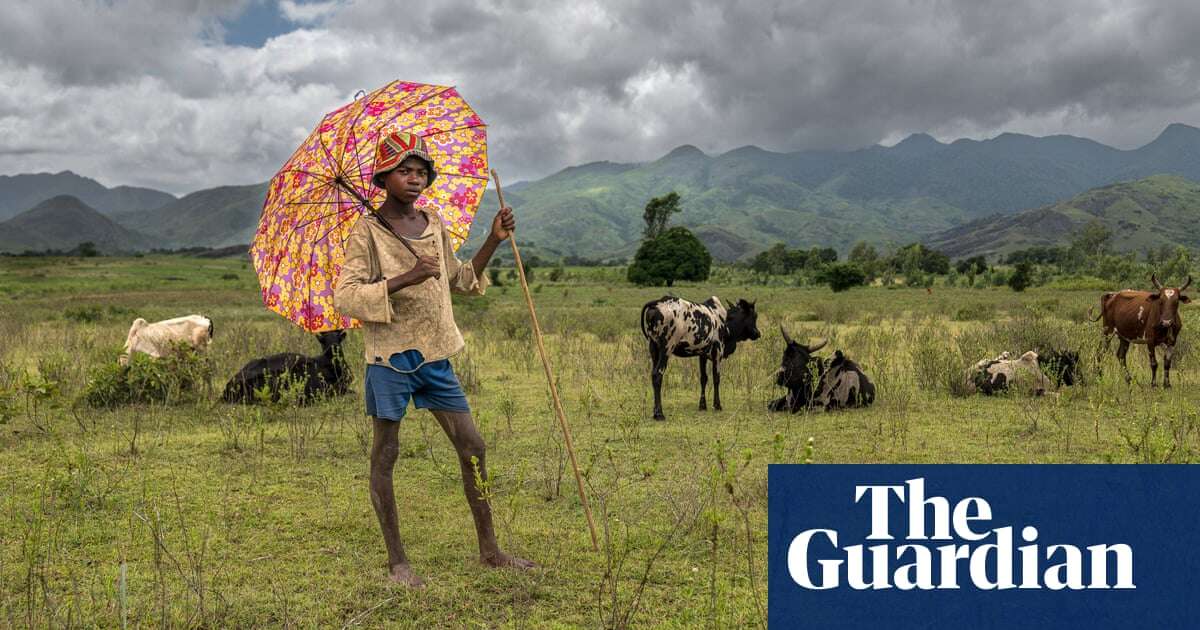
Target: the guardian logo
{"points": [[974, 554]]}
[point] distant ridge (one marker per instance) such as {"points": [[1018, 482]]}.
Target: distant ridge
{"points": [[885, 195], [19, 193], [62, 223], [215, 217], [1142, 214], [747, 199]]}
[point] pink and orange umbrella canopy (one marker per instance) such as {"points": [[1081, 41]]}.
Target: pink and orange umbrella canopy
{"points": [[315, 199]]}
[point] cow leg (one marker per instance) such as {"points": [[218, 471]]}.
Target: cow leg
{"points": [[1150, 349], [658, 365], [1168, 352], [1122, 350], [703, 381], [716, 369]]}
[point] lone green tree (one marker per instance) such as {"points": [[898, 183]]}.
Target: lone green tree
{"points": [[676, 254], [1022, 277], [658, 213]]}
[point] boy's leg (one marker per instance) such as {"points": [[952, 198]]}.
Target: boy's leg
{"points": [[384, 451], [460, 428]]}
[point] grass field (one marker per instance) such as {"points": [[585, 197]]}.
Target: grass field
{"points": [[196, 513]]}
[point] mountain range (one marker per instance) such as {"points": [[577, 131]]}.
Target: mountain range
{"points": [[738, 202], [1142, 214]]}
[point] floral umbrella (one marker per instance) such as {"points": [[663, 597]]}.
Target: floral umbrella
{"points": [[314, 200]]}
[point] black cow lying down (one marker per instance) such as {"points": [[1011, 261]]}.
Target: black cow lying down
{"points": [[323, 375], [813, 383], [1061, 366]]}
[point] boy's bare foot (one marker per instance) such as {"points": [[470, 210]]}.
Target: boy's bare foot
{"points": [[503, 560], [403, 574]]}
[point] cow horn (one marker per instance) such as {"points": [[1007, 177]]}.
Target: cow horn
{"points": [[1154, 281], [817, 346], [786, 338], [1186, 284]]}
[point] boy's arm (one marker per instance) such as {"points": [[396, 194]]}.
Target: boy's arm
{"points": [[354, 293], [502, 228]]}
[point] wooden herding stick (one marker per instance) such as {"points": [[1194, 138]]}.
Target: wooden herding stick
{"points": [[558, 410]]}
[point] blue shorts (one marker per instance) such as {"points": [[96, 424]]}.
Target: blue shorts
{"points": [[429, 386]]}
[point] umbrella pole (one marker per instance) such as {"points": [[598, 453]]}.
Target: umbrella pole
{"points": [[558, 410]]}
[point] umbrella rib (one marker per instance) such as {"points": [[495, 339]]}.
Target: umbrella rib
{"points": [[367, 100], [361, 167], [337, 167], [299, 192], [338, 193], [318, 218]]}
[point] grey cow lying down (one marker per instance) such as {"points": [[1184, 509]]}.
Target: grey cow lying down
{"points": [[814, 383], [1003, 373]]}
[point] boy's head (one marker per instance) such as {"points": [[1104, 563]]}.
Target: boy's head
{"points": [[394, 148]]}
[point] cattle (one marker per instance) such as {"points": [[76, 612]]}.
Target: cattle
{"points": [[1144, 317], [844, 385], [323, 375], [814, 384], [1003, 373], [1061, 366], [677, 326], [800, 372], [160, 338]]}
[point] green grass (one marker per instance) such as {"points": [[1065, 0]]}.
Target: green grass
{"points": [[233, 517]]}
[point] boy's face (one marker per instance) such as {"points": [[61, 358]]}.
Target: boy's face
{"points": [[405, 182]]}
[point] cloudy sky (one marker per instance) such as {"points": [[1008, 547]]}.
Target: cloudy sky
{"points": [[187, 94]]}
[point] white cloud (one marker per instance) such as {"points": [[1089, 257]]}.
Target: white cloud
{"points": [[308, 12], [139, 92]]}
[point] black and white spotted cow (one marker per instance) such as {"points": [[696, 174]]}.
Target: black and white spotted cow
{"points": [[686, 329]]}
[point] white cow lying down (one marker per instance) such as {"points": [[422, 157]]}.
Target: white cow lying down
{"points": [[158, 338]]}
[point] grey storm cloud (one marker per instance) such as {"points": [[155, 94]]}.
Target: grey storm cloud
{"points": [[146, 93]]}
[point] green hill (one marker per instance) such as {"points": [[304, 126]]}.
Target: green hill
{"points": [[216, 217], [1141, 214], [19, 193], [64, 222], [748, 199]]}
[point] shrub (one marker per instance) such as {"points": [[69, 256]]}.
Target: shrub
{"points": [[181, 376], [844, 276]]}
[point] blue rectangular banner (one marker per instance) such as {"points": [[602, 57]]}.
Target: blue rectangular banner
{"points": [[984, 546]]}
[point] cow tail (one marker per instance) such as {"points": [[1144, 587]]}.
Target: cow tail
{"points": [[646, 333], [134, 329], [1096, 318]]}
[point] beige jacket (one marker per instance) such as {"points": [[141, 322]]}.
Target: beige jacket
{"points": [[416, 317]]}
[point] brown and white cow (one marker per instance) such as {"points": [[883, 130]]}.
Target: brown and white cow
{"points": [[1145, 317]]}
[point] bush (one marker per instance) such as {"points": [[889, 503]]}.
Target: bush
{"points": [[181, 376], [841, 277], [1022, 277], [676, 254]]}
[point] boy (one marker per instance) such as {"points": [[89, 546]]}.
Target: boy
{"points": [[403, 302]]}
